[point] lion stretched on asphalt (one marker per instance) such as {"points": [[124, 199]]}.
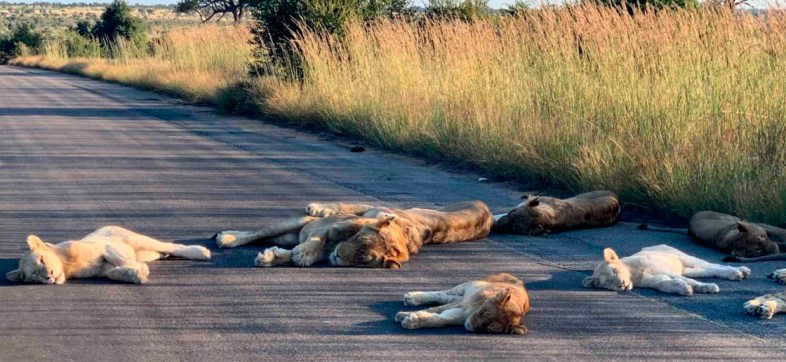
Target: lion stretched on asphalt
{"points": [[540, 215], [110, 251], [362, 235], [744, 241], [660, 267], [494, 304]]}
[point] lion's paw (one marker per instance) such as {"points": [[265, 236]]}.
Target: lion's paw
{"points": [[685, 290], [709, 288], [778, 275], [739, 273], [410, 299], [138, 275], [401, 315], [201, 252], [411, 321], [303, 255], [752, 306], [265, 259], [320, 210], [226, 239]]}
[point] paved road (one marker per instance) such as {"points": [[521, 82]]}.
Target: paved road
{"points": [[76, 154]]}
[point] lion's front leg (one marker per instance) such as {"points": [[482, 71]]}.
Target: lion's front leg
{"points": [[273, 256], [309, 252], [765, 306], [426, 319], [667, 284]]}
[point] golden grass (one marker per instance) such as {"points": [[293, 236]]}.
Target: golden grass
{"points": [[195, 63], [683, 110]]}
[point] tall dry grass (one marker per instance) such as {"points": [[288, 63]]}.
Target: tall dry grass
{"points": [[684, 110], [196, 63]]}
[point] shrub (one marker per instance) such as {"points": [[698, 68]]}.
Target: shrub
{"points": [[117, 22]]}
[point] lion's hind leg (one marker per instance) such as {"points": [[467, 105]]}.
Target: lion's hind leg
{"points": [[766, 306], [442, 316]]}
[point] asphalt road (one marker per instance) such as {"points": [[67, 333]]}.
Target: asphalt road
{"points": [[77, 154]]}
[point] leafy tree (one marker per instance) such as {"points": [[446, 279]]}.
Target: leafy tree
{"points": [[208, 9], [116, 22], [629, 5], [518, 7]]}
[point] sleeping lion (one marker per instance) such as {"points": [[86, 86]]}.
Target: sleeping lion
{"points": [[362, 235], [744, 241], [660, 267], [540, 215], [110, 251], [494, 304]]}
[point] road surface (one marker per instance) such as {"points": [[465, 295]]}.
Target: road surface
{"points": [[76, 154]]}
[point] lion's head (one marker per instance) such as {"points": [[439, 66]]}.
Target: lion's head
{"points": [[525, 219], [751, 241], [39, 265], [498, 314], [610, 274], [377, 245]]}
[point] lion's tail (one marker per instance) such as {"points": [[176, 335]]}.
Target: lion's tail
{"points": [[661, 229], [733, 259]]}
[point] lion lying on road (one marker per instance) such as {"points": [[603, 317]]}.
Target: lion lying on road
{"points": [[110, 251], [494, 304], [660, 267], [744, 241], [362, 235], [539, 215]]}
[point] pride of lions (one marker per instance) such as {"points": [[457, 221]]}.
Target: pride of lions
{"points": [[357, 235]]}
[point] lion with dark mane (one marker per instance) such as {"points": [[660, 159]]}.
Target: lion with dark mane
{"points": [[363, 235]]}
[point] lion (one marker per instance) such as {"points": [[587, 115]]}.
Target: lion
{"points": [[494, 304], [541, 215], [110, 251], [660, 267], [362, 235], [743, 241]]}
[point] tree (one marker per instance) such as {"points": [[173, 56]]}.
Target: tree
{"points": [[466, 10], [208, 9], [116, 22], [629, 5]]}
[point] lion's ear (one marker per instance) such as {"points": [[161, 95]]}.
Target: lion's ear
{"points": [[14, 275], [391, 264], [742, 227], [518, 329], [35, 243], [609, 255], [504, 296], [588, 282], [384, 220], [533, 201]]}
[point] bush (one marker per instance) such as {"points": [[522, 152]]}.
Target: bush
{"points": [[466, 10], [23, 36], [117, 22], [77, 46]]}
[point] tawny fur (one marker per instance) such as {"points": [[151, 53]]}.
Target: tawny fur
{"points": [[363, 235], [768, 305], [110, 251], [539, 215], [494, 304], [743, 241], [660, 267]]}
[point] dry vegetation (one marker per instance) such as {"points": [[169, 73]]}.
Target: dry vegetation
{"points": [[682, 110]]}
